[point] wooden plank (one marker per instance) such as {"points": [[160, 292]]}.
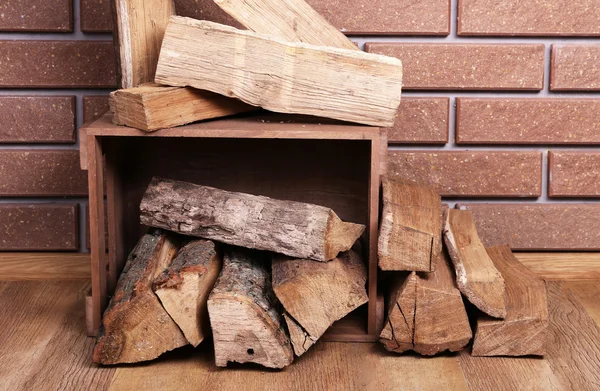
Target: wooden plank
{"points": [[476, 276], [588, 295], [45, 266], [140, 26], [410, 234], [150, 106], [374, 324], [279, 75], [524, 329], [563, 266], [291, 20]]}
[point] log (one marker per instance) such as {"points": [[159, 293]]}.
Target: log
{"points": [[135, 326], [151, 106], [139, 29], [292, 228], [426, 312], [316, 294], [291, 20], [244, 313], [281, 76], [476, 276], [524, 329], [184, 287], [410, 235]]}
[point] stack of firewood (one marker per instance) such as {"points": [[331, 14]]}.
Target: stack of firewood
{"points": [[425, 309], [269, 277]]}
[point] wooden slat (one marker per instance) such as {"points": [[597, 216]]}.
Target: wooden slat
{"points": [[44, 266], [588, 294], [563, 266]]}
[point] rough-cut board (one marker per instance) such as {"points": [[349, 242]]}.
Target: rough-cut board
{"points": [[184, 287], [426, 312], [136, 327], [523, 331], [140, 26], [476, 276], [151, 106], [244, 314], [292, 20], [316, 294], [410, 234], [281, 76], [292, 228]]}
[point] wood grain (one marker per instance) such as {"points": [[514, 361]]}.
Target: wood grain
{"points": [[281, 76], [588, 295], [399, 327], [562, 266], [44, 266]]}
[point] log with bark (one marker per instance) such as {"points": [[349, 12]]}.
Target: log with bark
{"points": [[135, 326], [426, 313], [244, 313], [524, 329], [184, 287], [278, 75], [316, 294], [292, 228], [410, 235], [476, 276]]}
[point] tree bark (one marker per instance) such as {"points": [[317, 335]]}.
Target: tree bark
{"points": [[244, 314], [292, 228], [135, 326], [316, 294], [184, 287]]}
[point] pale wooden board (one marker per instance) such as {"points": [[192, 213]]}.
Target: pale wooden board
{"points": [[563, 265], [588, 294], [44, 266]]}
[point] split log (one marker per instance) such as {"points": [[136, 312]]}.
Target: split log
{"points": [[291, 20], [426, 313], [524, 330], [476, 276], [316, 294], [135, 326], [184, 287], [292, 228], [410, 235], [244, 313], [281, 76], [151, 106], [140, 26]]}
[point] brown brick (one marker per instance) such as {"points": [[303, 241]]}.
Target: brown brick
{"points": [[574, 174], [96, 16], [41, 173], [575, 67], [57, 64], [527, 121], [39, 227], [538, 226], [421, 121], [528, 17], [36, 15], [472, 174], [467, 66], [37, 119], [94, 107]]}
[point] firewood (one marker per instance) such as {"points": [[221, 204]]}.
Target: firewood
{"points": [[426, 312], [292, 20], [524, 329], [244, 313], [281, 76], [135, 326], [476, 276], [184, 287], [140, 26], [292, 228], [410, 235], [316, 294], [151, 106]]}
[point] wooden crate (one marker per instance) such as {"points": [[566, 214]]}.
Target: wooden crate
{"points": [[331, 164]]}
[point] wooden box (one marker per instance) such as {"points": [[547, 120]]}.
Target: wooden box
{"points": [[331, 164]]}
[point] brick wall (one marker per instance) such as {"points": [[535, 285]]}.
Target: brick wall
{"points": [[501, 110]]}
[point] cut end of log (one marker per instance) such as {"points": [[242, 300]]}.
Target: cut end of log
{"points": [[340, 235], [398, 332], [301, 340]]}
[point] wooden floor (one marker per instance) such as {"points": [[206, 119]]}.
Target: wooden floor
{"points": [[43, 347]]}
